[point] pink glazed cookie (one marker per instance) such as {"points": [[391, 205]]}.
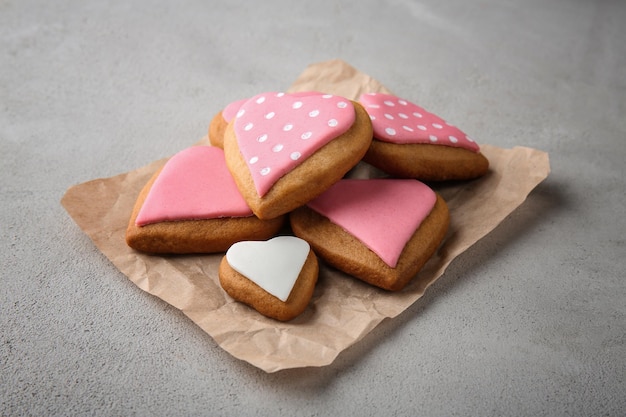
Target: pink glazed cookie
{"points": [[381, 231], [285, 149], [220, 121], [192, 205], [411, 142]]}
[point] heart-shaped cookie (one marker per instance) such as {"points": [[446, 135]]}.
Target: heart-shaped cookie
{"points": [[285, 149], [276, 277], [411, 142], [194, 184], [381, 213], [398, 120], [273, 265], [277, 131], [192, 205], [381, 231]]}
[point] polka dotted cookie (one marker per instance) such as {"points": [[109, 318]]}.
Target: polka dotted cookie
{"points": [[411, 142], [285, 149]]}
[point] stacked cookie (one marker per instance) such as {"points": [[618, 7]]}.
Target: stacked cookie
{"points": [[280, 158]]}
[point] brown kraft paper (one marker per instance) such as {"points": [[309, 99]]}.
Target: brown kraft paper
{"points": [[343, 310]]}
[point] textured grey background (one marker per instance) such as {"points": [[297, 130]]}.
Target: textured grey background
{"points": [[530, 321]]}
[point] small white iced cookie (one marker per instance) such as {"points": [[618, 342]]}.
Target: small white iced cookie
{"points": [[273, 265], [275, 277]]}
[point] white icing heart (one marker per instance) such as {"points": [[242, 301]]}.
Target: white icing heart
{"points": [[273, 265]]}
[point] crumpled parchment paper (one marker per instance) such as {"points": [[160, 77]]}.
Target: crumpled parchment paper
{"points": [[343, 309]]}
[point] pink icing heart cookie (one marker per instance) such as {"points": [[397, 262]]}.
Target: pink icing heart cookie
{"points": [[285, 149], [411, 142], [192, 205], [275, 277], [218, 124], [381, 231]]}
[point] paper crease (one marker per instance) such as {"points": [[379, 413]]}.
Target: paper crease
{"points": [[343, 310]]}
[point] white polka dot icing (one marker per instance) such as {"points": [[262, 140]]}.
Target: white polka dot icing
{"points": [[397, 120], [299, 125], [230, 111]]}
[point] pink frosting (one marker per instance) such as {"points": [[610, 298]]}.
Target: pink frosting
{"points": [[382, 213], [231, 109], [194, 184], [277, 131], [397, 120]]}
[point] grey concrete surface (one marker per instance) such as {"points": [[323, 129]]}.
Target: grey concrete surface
{"points": [[530, 321]]}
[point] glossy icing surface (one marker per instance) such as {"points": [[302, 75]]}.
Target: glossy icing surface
{"points": [[400, 121], [273, 265], [194, 184], [230, 111], [382, 213], [277, 131]]}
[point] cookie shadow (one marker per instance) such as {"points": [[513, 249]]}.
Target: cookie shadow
{"points": [[539, 209]]}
